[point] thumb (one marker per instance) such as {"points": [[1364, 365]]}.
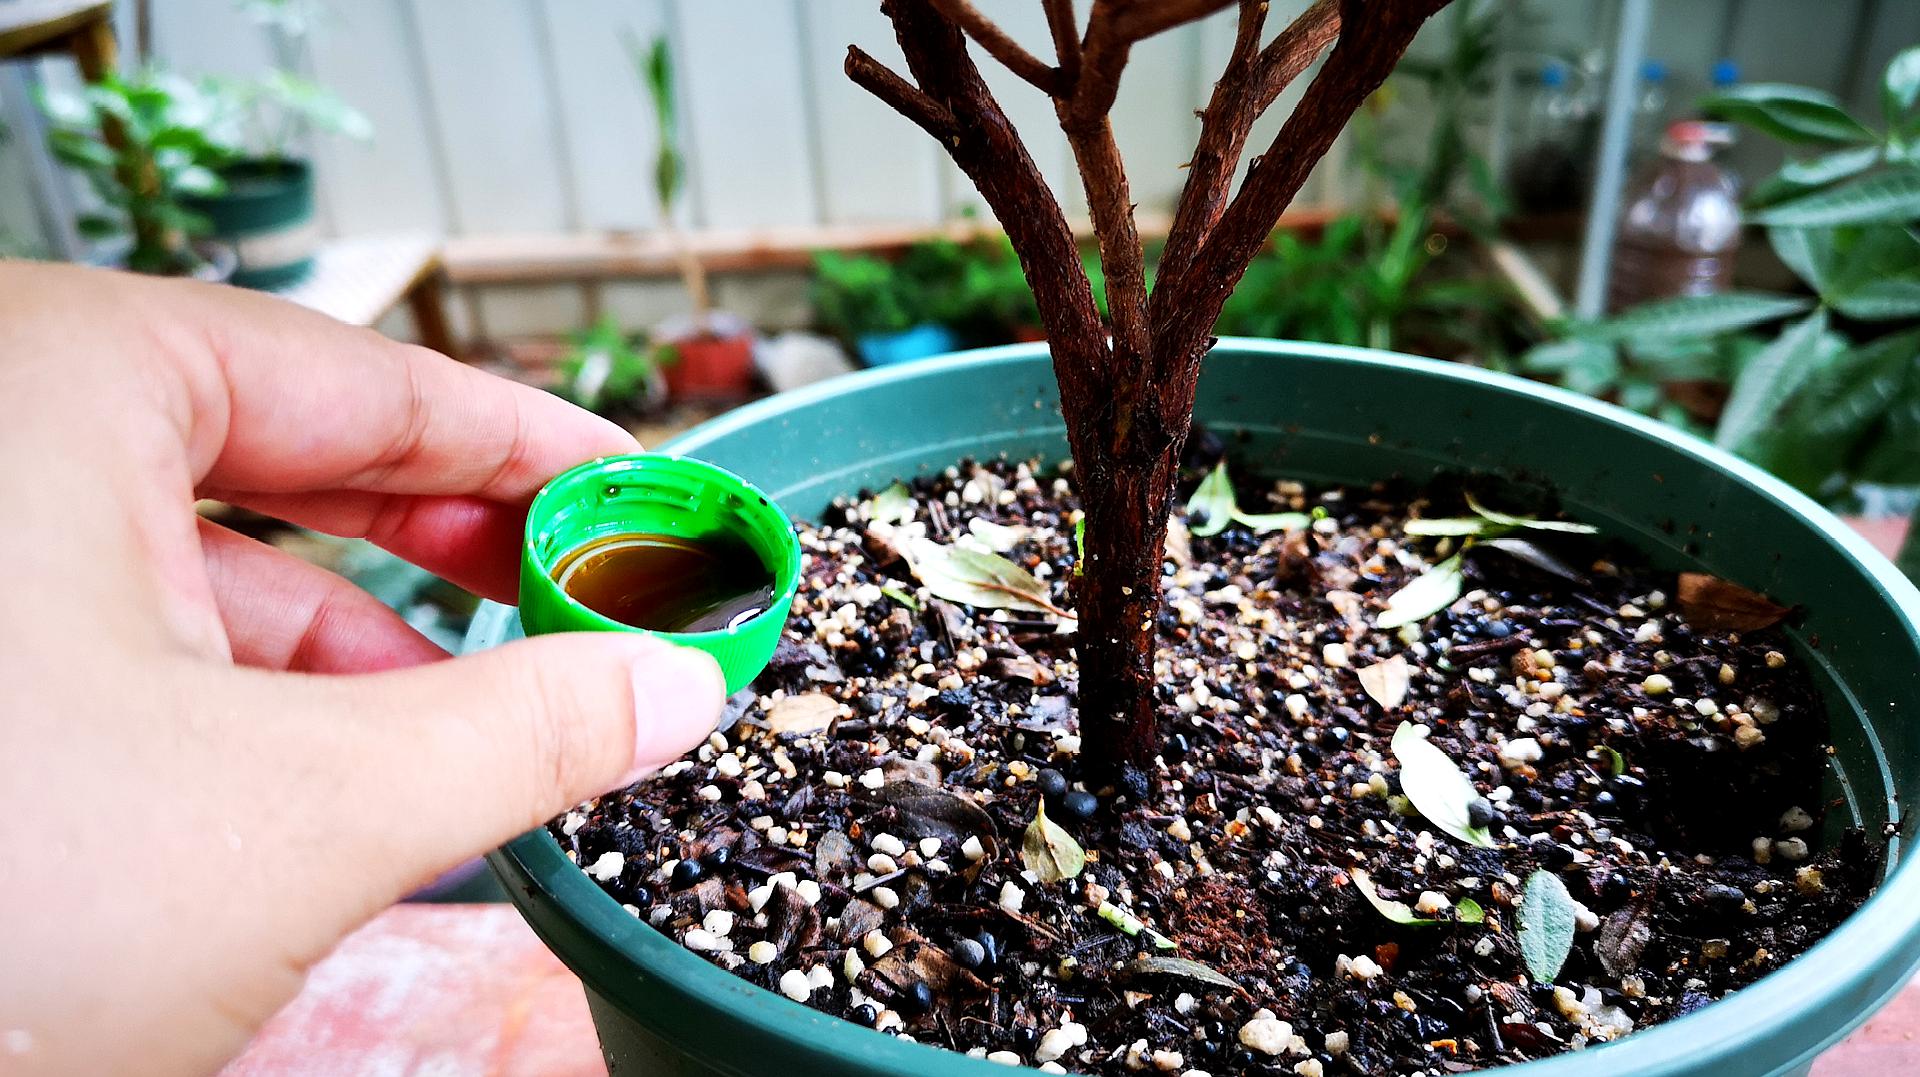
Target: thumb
{"points": [[478, 749]]}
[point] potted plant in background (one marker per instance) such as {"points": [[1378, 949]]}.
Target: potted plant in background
{"points": [[1822, 389], [612, 372], [862, 299], [143, 143], [891, 830], [265, 210], [715, 348]]}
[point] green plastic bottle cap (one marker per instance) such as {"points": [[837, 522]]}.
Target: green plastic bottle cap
{"points": [[658, 494]]}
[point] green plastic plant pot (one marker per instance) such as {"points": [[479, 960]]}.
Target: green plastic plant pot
{"points": [[658, 494], [1321, 414], [266, 215]]}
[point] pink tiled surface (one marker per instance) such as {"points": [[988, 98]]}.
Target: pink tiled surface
{"points": [[468, 991]]}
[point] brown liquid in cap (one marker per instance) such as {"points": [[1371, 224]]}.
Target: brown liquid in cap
{"points": [[666, 583]]}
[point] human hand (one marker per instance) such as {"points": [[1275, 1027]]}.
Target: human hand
{"points": [[191, 816]]}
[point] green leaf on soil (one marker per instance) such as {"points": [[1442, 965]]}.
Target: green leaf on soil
{"points": [[893, 505], [1130, 924], [1214, 501], [1397, 911], [975, 578], [1048, 851], [901, 597], [1616, 763], [1528, 522], [1180, 968], [1079, 546], [1436, 785], [1546, 917], [1439, 526], [1433, 591], [1468, 911], [1211, 503]]}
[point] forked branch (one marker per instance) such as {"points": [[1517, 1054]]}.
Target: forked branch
{"points": [[1128, 400]]}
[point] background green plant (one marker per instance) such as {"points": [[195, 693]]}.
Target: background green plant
{"points": [[1372, 279], [1823, 389], [144, 145], [607, 369]]}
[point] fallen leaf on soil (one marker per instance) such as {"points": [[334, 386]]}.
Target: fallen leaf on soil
{"points": [[1019, 668], [803, 713], [1546, 917], [1386, 682], [1622, 938], [1716, 605], [1397, 911], [835, 858], [1180, 968], [893, 505], [1436, 785], [1533, 555], [1048, 851], [974, 578], [1429, 593], [998, 538], [927, 811]]}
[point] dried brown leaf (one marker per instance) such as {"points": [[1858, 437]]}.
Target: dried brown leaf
{"points": [[803, 713], [1386, 682], [1717, 605]]}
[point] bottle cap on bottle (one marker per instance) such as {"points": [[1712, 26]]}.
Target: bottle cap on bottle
{"points": [[1725, 73], [1653, 71], [1693, 140], [657, 494], [1554, 74]]}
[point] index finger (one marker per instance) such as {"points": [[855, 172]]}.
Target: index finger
{"points": [[305, 403]]}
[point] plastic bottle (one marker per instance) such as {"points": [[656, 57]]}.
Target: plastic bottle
{"points": [[1549, 167], [1650, 110], [1680, 231]]}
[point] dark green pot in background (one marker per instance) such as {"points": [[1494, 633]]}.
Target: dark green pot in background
{"points": [[266, 217], [1320, 414]]}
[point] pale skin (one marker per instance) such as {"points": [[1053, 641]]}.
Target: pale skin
{"points": [[217, 760]]}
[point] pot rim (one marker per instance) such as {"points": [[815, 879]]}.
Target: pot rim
{"points": [[1802, 1008]]}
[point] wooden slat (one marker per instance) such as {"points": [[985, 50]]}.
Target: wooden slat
{"points": [[360, 280], [27, 25], [523, 258]]}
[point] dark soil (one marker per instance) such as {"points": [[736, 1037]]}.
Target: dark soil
{"points": [[854, 838]]}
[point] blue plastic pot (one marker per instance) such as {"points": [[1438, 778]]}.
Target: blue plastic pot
{"points": [[920, 342], [1322, 414]]}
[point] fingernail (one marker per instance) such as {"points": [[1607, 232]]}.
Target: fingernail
{"points": [[677, 693]]}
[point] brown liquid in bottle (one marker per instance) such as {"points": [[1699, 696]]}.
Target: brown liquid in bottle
{"points": [[665, 583]]}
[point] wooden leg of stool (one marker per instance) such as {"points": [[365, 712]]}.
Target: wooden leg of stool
{"points": [[94, 49], [428, 302]]}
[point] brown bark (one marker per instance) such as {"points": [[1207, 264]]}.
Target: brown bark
{"points": [[1128, 398]]}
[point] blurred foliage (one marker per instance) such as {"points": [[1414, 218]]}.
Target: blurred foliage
{"points": [[1822, 390], [606, 369], [145, 144], [976, 288], [1394, 280]]}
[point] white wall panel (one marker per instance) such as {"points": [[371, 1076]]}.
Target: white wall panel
{"points": [[492, 113], [745, 117], [611, 135], [872, 164], [390, 182]]}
